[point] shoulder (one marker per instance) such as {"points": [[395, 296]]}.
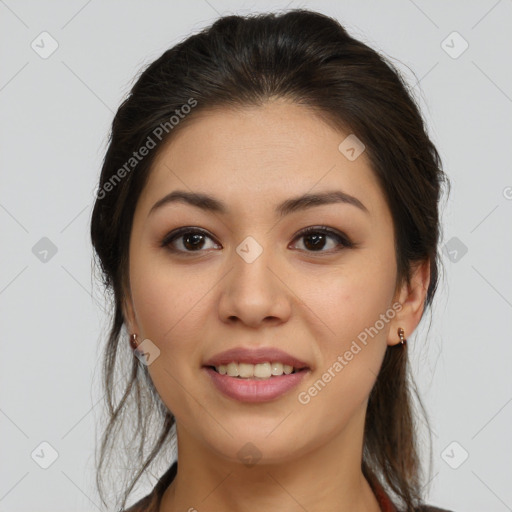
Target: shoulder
{"points": [[146, 504], [151, 502]]}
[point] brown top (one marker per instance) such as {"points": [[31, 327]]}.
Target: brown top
{"points": [[151, 502]]}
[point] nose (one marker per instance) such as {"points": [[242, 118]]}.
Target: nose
{"points": [[254, 293]]}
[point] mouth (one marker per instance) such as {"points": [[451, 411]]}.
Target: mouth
{"points": [[260, 371], [255, 375], [251, 388]]}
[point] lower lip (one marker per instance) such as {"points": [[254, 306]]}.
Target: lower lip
{"points": [[255, 390]]}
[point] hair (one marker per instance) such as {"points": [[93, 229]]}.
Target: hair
{"points": [[309, 59]]}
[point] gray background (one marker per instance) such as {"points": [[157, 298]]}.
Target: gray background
{"points": [[55, 116]]}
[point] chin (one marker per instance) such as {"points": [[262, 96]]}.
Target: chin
{"points": [[259, 449]]}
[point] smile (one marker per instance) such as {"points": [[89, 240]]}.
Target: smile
{"points": [[265, 370], [255, 389]]}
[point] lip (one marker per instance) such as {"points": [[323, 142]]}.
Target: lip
{"points": [[255, 390], [255, 356]]}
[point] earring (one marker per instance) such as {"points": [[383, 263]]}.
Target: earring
{"points": [[133, 341], [403, 341]]}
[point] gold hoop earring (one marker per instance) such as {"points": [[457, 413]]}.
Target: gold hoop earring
{"points": [[403, 341]]}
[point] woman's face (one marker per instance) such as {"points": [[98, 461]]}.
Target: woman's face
{"points": [[242, 276]]}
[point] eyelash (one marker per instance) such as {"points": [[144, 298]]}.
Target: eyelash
{"points": [[342, 239]]}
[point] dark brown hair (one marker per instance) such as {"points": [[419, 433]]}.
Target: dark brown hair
{"points": [[310, 59]]}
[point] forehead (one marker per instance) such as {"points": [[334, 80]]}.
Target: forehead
{"points": [[262, 154]]}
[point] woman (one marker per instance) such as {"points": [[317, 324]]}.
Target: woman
{"points": [[267, 220]]}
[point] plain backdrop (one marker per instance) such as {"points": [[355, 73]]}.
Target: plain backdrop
{"points": [[66, 66]]}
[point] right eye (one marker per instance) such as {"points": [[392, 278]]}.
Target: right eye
{"points": [[185, 240]]}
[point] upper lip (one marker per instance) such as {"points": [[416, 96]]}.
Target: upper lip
{"points": [[255, 356]]}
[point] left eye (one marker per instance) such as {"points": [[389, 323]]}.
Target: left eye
{"points": [[315, 240]]}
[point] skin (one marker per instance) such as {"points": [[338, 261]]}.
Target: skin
{"points": [[312, 304]]}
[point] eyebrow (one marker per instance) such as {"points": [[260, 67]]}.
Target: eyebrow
{"points": [[211, 204]]}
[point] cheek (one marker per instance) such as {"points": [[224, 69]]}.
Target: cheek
{"points": [[168, 301], [170, 306], [351, 340], [349, 299]]}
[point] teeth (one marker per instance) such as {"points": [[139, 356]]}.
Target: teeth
{"points": [[259, 371]]}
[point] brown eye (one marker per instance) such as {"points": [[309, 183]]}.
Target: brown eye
{"points": [[186, 240], [317, 238], [193, 241]]}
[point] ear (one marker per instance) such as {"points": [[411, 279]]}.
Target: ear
{"points": [[130, 318], [412, 298]]}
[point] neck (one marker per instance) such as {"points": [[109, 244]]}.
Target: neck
{"points": [[328, 478]]}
